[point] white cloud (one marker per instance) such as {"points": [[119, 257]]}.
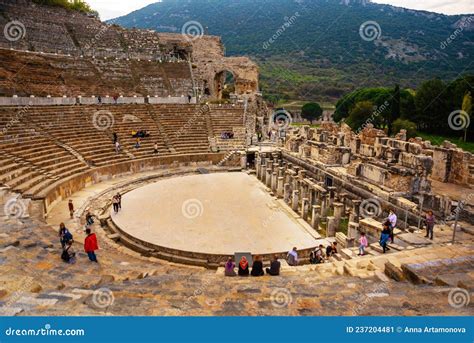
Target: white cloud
{"points": [[439, 6]]}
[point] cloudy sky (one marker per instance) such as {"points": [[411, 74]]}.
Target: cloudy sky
{"points": [[113, 8]]}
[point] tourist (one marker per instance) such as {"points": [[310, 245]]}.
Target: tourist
{"points": [[115, 99], [119, 200], [89, 218], [229, 268], [115, 203], [317, 256], [117, 147], [392, 218], [243, 267], [64, 235], [384, 237], [115, 137], [68, 255], [363, 243], [71, 208], [275, 265], [99, 99], [155, 149], [90, 245], [189, 98], [137, 143], [292, 257], [257, 267], [331, 249], [429, 221]]}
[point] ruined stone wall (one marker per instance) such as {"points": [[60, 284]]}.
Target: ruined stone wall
{"points": [[209, 61]]}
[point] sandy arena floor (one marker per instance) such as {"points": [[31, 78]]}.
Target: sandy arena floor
{"points": [[218, 213]]}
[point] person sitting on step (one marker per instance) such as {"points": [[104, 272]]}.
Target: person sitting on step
{"points": [[229, 268], [243, 267], [292, 257], [275, 265], [257, 267]]}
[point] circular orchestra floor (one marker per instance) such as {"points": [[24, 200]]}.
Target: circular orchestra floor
{"points": [[218, 213]]}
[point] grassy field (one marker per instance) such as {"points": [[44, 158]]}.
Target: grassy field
{"points": [[438, 140]]}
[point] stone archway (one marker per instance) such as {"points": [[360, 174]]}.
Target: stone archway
{"points": [[224, 84]]}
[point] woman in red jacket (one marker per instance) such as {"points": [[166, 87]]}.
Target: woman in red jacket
{"points": [[90, 245]]}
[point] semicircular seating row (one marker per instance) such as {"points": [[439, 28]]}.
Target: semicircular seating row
{"points": [[43, 144]]}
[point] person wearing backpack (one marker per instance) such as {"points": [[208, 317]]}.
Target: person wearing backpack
{"points": [[90, 245], [64, 235], [68, 255]]}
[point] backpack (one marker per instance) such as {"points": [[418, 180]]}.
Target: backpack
{"points": [[65, 255]]}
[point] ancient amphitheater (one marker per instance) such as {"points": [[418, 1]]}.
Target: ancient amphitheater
{"points": [[192, 198]]}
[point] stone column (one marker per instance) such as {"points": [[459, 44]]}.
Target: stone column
{"points": [[323, 205], [356, 210], [280, 187], [330, 227], [331, 195], [342, 199], [243, 160], [338, 208], [263, 169], [287, 193], [315, 216], [305, 208], [353, 230], [258, 161], [274, 181], [268, 178], [295, 200]]}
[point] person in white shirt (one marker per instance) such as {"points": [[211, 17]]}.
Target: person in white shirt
{"points": [[392, 219], [292, 257]]}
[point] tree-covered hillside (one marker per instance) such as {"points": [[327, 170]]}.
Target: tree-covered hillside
{"points": [[315, 49]]}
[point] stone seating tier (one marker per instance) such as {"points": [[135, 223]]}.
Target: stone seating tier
{"points": [[42, 144]]}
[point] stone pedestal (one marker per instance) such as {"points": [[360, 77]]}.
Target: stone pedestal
{"points": [[268, 178], [338, 212], [295, 200], [315, 216], [243, 160], [274, 181], [287, 193], [280, 187], [330, 227], [305, 208], [353, 230]]}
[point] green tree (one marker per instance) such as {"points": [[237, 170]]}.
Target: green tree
{"points": [[403, 124], [311, 111], [394, 109], [467, 108], [432, 108], [361, 115]]}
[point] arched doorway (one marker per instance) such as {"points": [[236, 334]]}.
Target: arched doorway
{"points": [[224, 84]]}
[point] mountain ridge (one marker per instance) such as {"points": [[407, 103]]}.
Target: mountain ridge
{"points": [[317, 49]]}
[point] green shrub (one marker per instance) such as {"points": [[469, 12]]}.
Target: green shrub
{"points": [[403, 124]]}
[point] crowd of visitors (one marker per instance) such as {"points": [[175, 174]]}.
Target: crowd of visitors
{"points": [[227, 135]]}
